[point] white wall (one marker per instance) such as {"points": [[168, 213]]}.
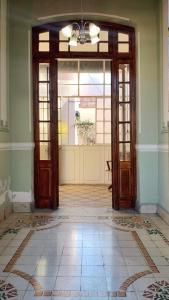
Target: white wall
{"points": [[84, 164]]}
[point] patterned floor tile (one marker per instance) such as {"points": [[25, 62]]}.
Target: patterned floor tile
{"points": [[84, 253], [85, 196]]}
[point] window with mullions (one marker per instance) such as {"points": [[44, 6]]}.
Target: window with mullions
{"points": [[84, 102], [101, 46], [44, 112], [124, 112]]}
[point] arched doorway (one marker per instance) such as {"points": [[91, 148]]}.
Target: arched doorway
{"points": [[119, 49]]}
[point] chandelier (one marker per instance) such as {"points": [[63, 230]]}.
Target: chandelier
{"points": [[82, 33]]}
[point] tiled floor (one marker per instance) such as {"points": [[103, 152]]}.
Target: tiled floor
{"points": [[84, 254], [85, 196]]}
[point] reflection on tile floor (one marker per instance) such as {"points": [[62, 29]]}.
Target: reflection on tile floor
{"points": [[104, 255], [85, 196]]}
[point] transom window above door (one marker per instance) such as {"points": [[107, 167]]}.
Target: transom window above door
{"points": [[121, 41]]}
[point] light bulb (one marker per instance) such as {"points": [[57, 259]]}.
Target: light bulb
{"points": [[93, 30], [67, 31], [73, 40], [94, 39]]}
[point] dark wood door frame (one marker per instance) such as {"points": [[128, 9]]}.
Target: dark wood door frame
{"points": [[46, 172]]}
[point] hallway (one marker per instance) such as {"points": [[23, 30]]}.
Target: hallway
{"points": [[94, 196], [84, 254]]}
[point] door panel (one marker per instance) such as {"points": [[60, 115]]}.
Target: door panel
{"points": [[45, 149], [44, 181], [125, 182], [125, 124]]}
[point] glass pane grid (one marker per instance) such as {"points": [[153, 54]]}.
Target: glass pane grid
{"points": [[124, 151], [82, 90], [44, 46], [44, 36], [44, 111], [124, 113], [63, 46], [44, 150], [123, 37], [44, 131], [123, 47], [43, 72], [101, 46]]}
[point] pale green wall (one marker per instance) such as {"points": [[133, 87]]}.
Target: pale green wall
{"points": [[5, 138], [22, 160], [21, 129], [163, 167], [143, 15]]}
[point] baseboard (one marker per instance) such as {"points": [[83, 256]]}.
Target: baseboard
{"points": [[22, 201], [146, 208], [163, 214]]}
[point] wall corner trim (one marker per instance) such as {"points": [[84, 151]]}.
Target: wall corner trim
{"points": [[164, 214]]}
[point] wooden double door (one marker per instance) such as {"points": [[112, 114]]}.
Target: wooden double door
{"points": [[116, 45]]}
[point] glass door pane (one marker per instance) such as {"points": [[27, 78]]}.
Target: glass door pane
{"points": [[124, 112], [44, 112]]}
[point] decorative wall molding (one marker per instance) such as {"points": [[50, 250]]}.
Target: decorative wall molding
{"points": [[79, 13], [152, 148], [16, 146], [163, 214], [163, 148], [3, 198], [139, 147], [5, 185]]}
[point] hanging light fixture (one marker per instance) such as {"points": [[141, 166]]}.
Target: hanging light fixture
{"points": [[82, 33]]}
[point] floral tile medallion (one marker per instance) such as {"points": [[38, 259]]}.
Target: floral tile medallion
{"points": [[7, 291], [134, 222], [157, 291], [33, 221]]}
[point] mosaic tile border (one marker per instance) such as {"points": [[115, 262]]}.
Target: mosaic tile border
{"points": [[157, 289], [123, 288], [35, 284], [34, 221], [18, 252], [145, 253], [38, 288], [157, 231], [134, 222]]}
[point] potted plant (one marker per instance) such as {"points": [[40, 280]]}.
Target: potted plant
{"points": [[85, 129]]}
